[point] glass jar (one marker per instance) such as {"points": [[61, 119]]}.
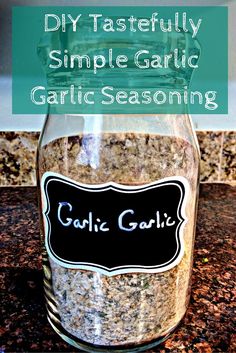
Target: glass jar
{"points": [[118, 204]]}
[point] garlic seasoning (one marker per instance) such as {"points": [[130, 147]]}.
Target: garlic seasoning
{"points": [[119, 197]]}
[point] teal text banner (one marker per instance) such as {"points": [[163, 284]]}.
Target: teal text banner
{"points": [[120, 60]]}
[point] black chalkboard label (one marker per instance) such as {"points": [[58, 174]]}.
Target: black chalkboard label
{"points": [[112, 228]]}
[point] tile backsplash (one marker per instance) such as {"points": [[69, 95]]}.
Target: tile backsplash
{"points": [[18, 157]]}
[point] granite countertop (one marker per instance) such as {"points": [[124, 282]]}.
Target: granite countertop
{"points": [[209, 324]]}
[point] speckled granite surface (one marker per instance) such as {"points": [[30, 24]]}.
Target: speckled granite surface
{"points": [[18, 157], [209, 325], [228, 165], [210, 144]]}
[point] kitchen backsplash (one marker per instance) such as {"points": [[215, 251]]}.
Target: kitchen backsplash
{"points": [[18, 157]]}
